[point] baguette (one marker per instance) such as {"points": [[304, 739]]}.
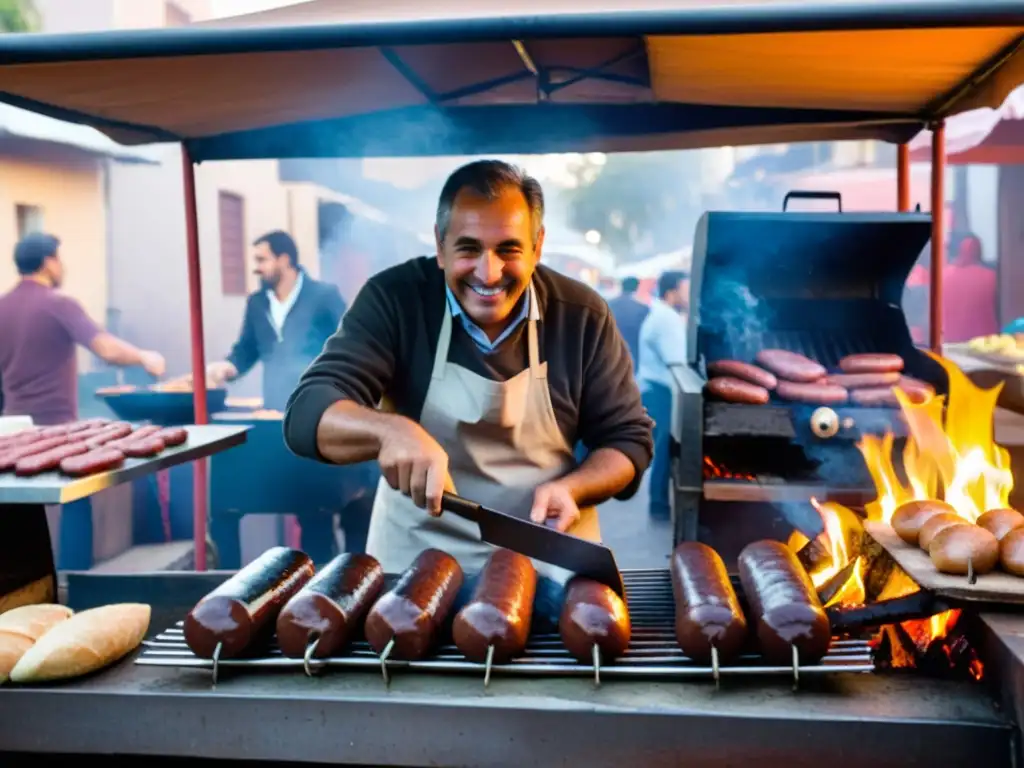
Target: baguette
{"points": [[86, 642], [21, 627]]}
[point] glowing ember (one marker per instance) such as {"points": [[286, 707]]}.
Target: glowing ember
{"points": [[958, 460], [713, 471]]}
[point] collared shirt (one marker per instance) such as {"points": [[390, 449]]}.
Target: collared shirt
{"points": [[475, 332], [662, 344], [279, 309]]}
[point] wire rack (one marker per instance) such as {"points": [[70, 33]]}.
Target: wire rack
{"points": [[653, 651]]}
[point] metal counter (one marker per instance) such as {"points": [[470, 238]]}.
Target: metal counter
{"points": [[877, 720]]}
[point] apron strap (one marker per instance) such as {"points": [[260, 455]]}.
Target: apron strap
{"points": [[536, 370], [444, 340]]}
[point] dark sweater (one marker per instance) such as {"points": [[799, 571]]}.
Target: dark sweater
{"points": [[387, 340]]}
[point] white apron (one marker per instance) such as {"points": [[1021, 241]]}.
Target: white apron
{"points": [[502, 441]]}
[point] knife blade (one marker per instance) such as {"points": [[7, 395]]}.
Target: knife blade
{"points": [[539, 542]]}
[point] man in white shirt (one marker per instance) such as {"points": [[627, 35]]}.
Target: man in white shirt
{"points": [[662, 344]]}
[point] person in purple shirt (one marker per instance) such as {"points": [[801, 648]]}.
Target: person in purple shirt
{"points": [[40, 328]]}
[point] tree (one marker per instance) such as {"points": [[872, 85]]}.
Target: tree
{"points": [[641, 204], [18, 16]]}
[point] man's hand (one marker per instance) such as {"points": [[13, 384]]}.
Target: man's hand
{"points": [[553, 500], [153, 363], [412, 462], [219, 372]]}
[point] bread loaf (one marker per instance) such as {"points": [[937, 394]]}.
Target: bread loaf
{"points": [[21, 627], [86, 642]]}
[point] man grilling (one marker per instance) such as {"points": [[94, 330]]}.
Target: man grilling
{"points": [[40, 331], [285, 326], [476, 370], [286, 322]]}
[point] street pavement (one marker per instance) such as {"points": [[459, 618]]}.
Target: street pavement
{"points": [[636, 540]]}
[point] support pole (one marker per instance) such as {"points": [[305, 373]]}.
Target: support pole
{"points": [[903, 178], [195, 304], [938, 206]]}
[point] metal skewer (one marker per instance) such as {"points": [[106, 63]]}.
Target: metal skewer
{"points": [[384, 660], [597, 665], [972, 577], [216, 661], [796, 667], [487, 665], [310, 650], [714, 666]]}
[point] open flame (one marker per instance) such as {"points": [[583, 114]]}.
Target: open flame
{"points": [[950, 454], [955, 458]]}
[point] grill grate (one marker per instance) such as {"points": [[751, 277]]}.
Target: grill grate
{"points": [[652, 652]]}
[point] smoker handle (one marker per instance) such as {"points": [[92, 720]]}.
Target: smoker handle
{"points": [[811, 194]]}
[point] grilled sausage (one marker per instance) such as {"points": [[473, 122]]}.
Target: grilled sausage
{"points": [[414, 610], [23, 437], [958, 545], [871, 363], [1011, 552], [499, 613], [110, 433], [743, 371], [1000, 522], [817, 394], [790, 365], [908, 518], [708, 613], [330, 607], [173, 436], [47, 461], [935, 525], [737, 391], [13, 455], [142, 449], [918, 391], [240, 614], [593, 614], [863, 380], [783, 603], [96, 460], [875, 396]]}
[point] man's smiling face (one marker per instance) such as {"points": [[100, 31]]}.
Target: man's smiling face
{"points": [[489, 254]]}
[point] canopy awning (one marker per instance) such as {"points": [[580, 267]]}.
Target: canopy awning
{"points": [[20, 124], [401, 78], [981, 136]]}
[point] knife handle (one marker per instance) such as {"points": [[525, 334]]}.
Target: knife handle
{"points": [[457, 505]]}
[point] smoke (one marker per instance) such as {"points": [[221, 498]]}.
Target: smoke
{"points": [[730, 309]]}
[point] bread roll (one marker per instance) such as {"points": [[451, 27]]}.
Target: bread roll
{"points": [[33, 620], [21, 627], [86, 642]]}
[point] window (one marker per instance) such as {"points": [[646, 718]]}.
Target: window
{"points": [[30, 219], [232, 244], [175, 15]]}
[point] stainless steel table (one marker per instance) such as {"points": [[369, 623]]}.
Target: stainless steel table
{"points": [[27, 573]]}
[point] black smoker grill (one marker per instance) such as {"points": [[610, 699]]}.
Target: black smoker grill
{"points": [[822, 284]]}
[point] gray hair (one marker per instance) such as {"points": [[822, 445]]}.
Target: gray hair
{"points": [[487, 179]]}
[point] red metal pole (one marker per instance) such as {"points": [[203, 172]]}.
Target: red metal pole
{"points": [[195, 305], [938, 233], [903, 178]]}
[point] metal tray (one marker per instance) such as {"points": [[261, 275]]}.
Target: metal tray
{"points": [[653, 651]]}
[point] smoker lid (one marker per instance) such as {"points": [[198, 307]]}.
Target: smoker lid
{"points": [[760, 277]]}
